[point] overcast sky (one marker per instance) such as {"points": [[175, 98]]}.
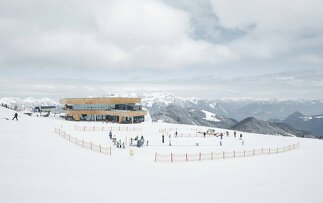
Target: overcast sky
{"points": [[198, 48]]}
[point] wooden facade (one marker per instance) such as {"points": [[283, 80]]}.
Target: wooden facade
{"points": [[122, 116]]}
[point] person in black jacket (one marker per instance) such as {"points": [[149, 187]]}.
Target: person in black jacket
{"points": [[15, 116]]}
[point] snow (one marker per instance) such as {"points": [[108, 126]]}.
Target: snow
{"points": [[210, 116], [37, 165]]}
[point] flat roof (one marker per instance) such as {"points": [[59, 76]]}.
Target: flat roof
{"points": [[100, 100]]}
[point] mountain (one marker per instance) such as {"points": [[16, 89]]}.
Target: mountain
{"points": [[185, 115], [253, 125], [275, 109], [312, 124], [235, 108], [28, 103], [172, 109]]}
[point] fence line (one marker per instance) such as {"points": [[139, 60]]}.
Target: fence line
{"points": [[165, 130], [89, 145], [107, 128], [221, 155]]}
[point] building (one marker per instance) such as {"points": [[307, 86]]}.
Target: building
{"points": [[44, 109], [110, 109]]}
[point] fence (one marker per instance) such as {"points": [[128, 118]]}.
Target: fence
{"points": [[84, 144], [221, 155], [165, 130], [106, 128]]}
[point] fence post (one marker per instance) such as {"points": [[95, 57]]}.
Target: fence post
{"points": [[91, 145], [119, 128], [212, 156], [277, 150], [200, 156], [253, 152], [234, 154], [110, 150], [155, 156], [186, 157], [223, 155], [244, 153], [171, 157]]}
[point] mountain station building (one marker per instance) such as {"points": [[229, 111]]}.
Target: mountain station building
{"points": [[109, 109]]}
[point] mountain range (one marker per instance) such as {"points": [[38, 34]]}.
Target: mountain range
{"points": [[221, 113]]}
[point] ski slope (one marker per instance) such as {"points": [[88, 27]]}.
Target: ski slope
{"points": [[37, 165]]}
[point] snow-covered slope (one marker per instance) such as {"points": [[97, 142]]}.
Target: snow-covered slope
{"points": [[36, 165]]}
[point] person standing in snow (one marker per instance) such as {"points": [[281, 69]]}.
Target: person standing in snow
{"points": [[240, 136], [163, 139], [110, 135], [15, 116], [220, 143]]}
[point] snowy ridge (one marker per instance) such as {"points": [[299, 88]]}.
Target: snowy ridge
{"points": [[28, 103]]}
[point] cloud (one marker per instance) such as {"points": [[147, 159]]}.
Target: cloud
{"points": [[291, 84], [113, 35]]}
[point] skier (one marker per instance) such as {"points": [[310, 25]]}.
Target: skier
{"points": [[163, 139], [204, 134], [170, 143], [220, 143], [15, 116], [147, 143], [110, 135], [240, 136], [235, 134], [176, 134]]}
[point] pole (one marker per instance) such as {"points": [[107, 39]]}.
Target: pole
{"points": [[155, 156], [171, 157]]}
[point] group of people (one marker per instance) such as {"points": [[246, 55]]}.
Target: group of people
{"points": [[119, 143]]}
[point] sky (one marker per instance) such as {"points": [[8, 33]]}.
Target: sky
{"points": [[209, 49]]}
